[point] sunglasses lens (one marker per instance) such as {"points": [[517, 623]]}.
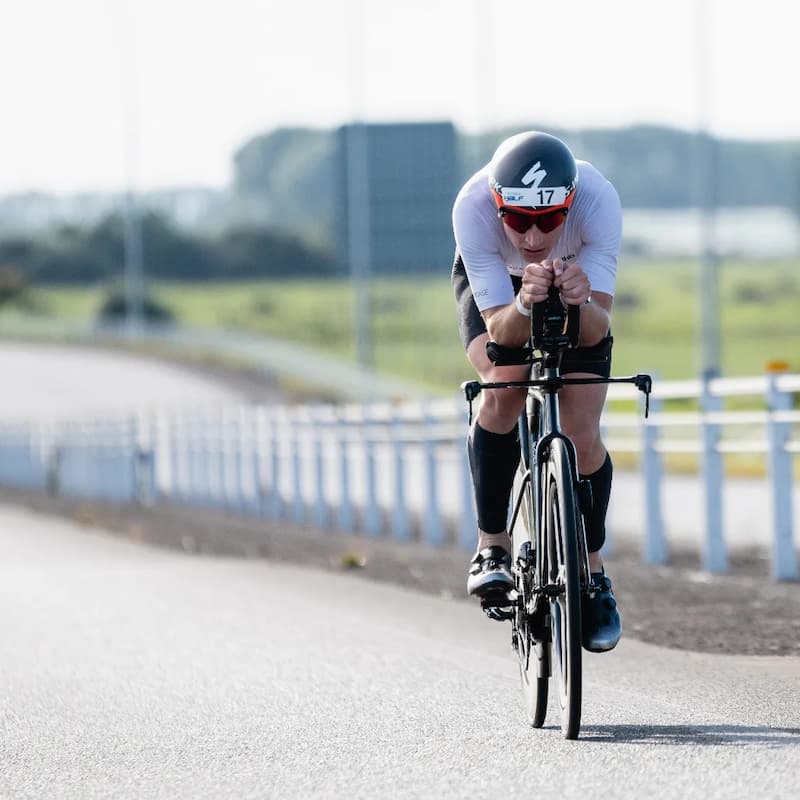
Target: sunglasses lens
{"points": [[549, 222], [521, 223]]}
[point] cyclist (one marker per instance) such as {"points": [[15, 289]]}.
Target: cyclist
{"points": [[531, 218]]}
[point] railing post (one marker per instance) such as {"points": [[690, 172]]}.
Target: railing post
{"points": [[655, 546], [368, 427], [299, 509], [202, 481], [275, 497], [468, 535], [191, 455], [145, 444], [784, 556], [207, 445], [431, 514], [345, 501], [321, 506], [400, 526], [715, 558], [222, 460], [260, 433], [248, 465], [175, 443], [236, 435]]}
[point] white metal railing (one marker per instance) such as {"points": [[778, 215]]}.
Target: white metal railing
{"points": [[400, 469]]}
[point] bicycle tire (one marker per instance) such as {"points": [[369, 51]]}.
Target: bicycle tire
{"points": [[563, 570], [533, 656]]}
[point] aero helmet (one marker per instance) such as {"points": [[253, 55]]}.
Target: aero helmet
{"points": [[533, 171]]}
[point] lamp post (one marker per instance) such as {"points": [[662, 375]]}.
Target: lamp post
{"points": [[132, 240], [707, 173], [358, 200]]}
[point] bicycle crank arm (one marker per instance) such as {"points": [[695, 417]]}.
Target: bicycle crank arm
{"points": [[550, 590]]}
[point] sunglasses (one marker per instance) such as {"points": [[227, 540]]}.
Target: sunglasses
{"points": [[522, 222]]}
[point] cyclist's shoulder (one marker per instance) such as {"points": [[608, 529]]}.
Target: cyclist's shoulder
{"points": [[475, 189], [474, 205]]}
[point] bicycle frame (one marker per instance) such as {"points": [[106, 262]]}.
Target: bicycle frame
{"points": [[540, 423]]}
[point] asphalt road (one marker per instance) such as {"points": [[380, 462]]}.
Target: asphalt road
{"points": [[50, 380], [132, 672]]}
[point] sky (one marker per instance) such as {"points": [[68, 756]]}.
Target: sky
{"points": [[104, 94]]}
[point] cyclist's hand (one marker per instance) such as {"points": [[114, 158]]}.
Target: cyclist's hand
{"points": [[536, 280], [572, 282]]}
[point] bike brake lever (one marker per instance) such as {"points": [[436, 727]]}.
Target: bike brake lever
{"points": [[644, 383], [471, 390]]}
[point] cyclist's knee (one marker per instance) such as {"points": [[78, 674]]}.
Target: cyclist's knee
{"points": [[500, 409], [588, 445]]}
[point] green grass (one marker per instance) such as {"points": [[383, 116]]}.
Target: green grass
{"points": [[654, 320]]}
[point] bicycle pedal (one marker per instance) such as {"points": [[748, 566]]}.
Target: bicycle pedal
{"points": [[499, 614], [498, 605]]}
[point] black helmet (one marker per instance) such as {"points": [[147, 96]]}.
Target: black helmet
{"points": [[535, 171]]}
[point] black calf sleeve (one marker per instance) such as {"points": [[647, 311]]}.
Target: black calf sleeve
{"points": [[601, 493], [493, 459]]}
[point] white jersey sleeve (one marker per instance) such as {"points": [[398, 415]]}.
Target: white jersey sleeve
{"points": [[482, 243]]}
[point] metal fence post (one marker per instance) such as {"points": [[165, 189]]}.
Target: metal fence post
{"points": [[345, 501], [655, 546], [372, 523], [260, 431], [715, 558], [779, 464], [275, 497], [299, 508], [234, 433], [400, 526], [221, 452], [468, 535], [192, 458], [321, 506], [207, 460], [432, 518]]}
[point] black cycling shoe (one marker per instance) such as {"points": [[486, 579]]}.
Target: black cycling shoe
{"points": [[600, 622], [490, 573]]}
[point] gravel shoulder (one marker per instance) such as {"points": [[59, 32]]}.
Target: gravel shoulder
{"points": [[676, 605]]}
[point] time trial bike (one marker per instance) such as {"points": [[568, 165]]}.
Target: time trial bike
{"points": [[550, 560]]}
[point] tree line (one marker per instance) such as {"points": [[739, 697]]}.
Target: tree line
{"points": [[70, 254], [288, 174]]}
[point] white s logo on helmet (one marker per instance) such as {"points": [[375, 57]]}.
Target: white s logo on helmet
{"points": [[534, 176]]}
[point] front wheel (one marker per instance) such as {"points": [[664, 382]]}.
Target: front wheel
{"points": [[533, 652], [563, 575]]}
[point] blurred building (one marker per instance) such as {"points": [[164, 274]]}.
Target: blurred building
{"points": [[410, 174]]}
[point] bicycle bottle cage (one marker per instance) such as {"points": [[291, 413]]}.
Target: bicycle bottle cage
{"points": [[554, 328]]}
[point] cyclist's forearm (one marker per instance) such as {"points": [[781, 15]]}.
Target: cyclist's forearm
{"points": [[507, 326], [595, 323]]}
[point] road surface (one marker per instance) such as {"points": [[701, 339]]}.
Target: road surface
{"points": [[69, 382], [133, 672]]}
